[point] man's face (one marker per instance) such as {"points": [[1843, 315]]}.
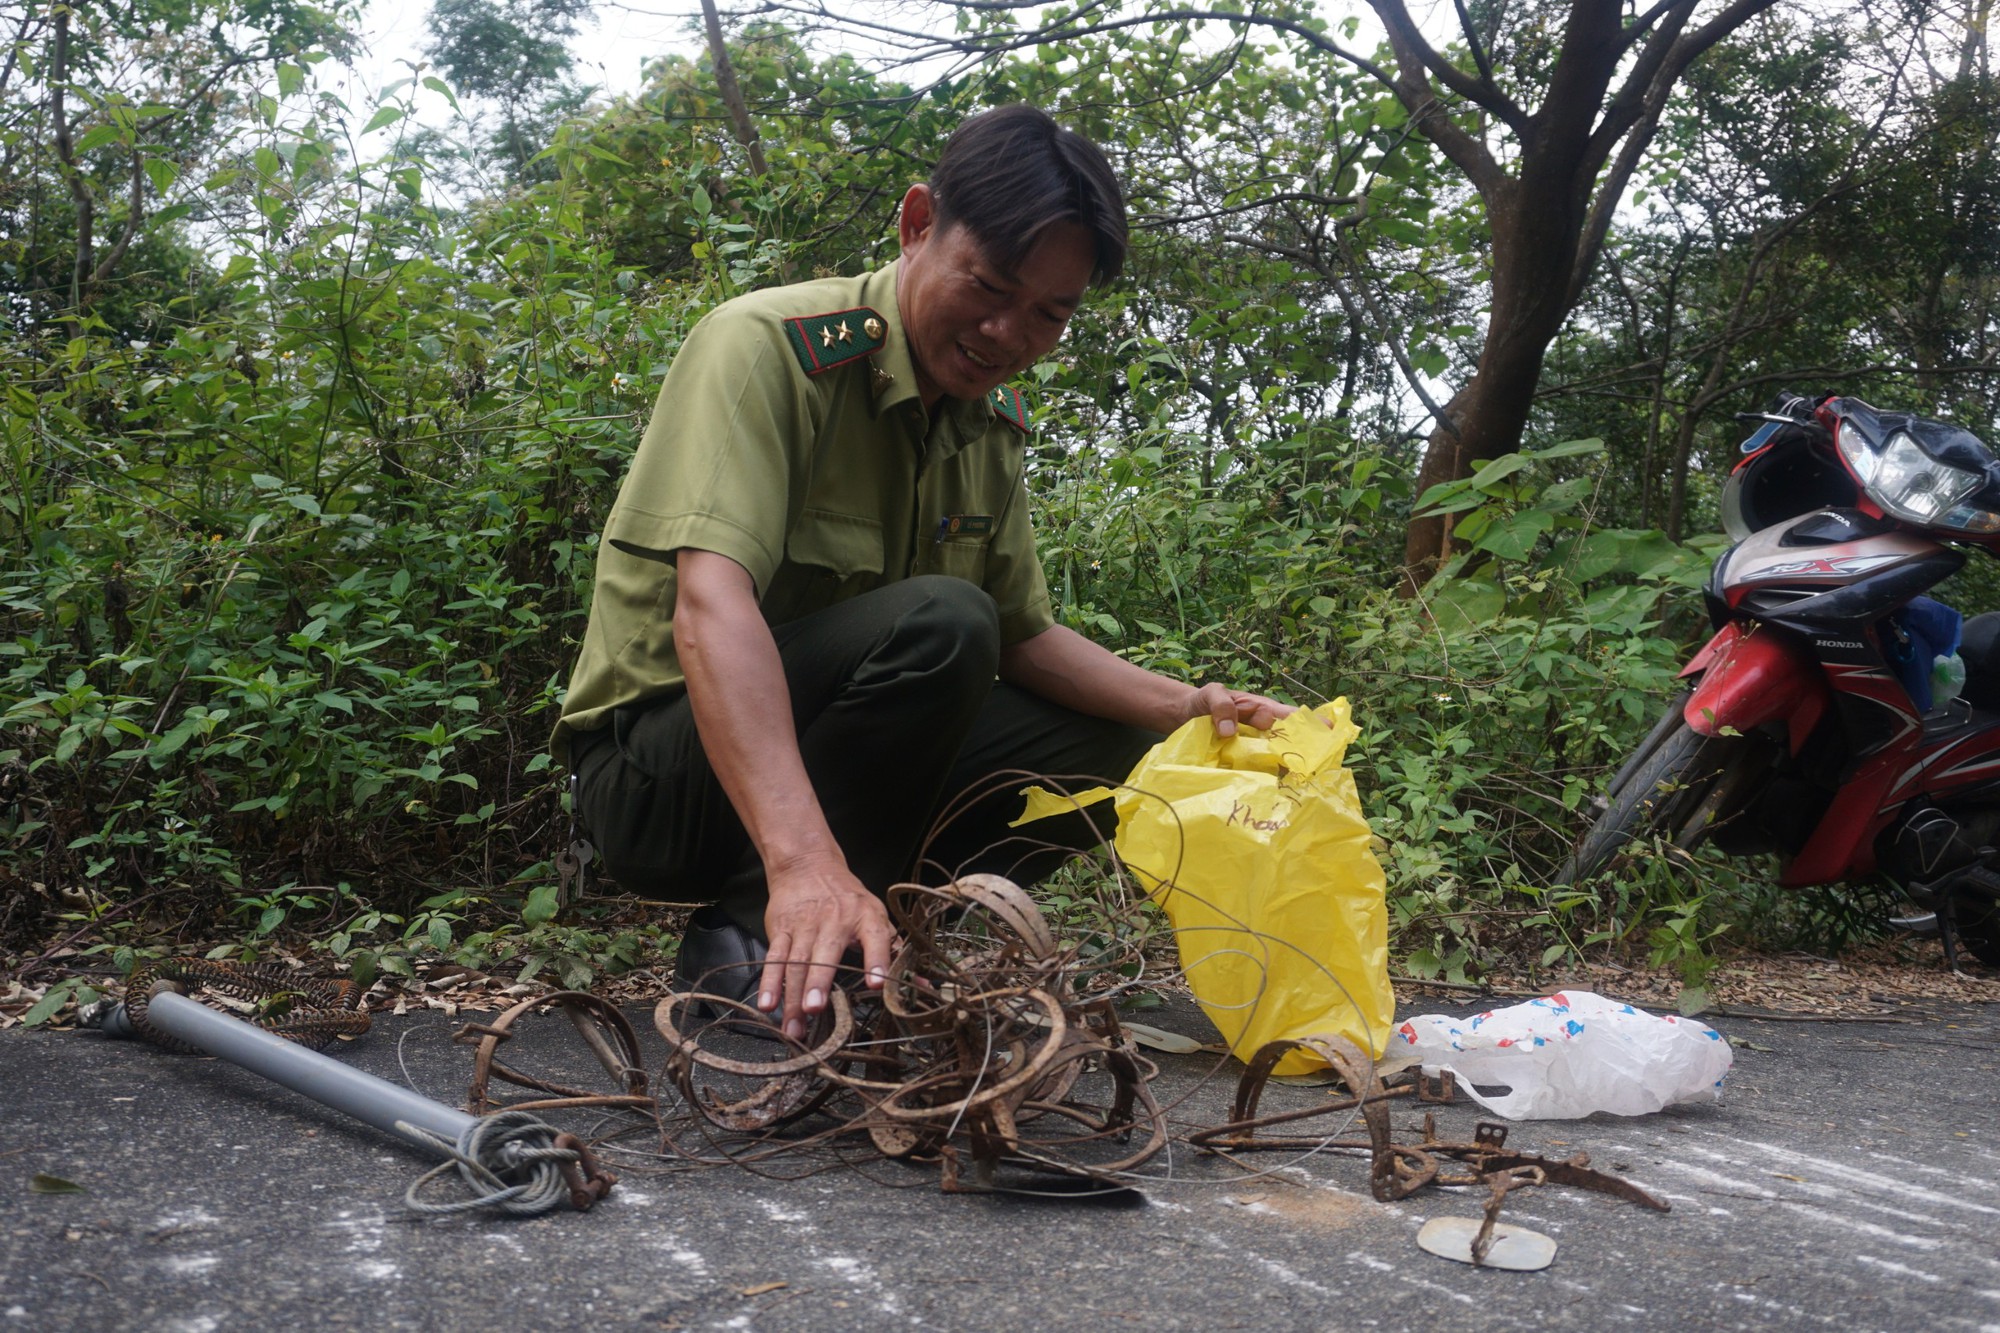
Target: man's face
{"points": [[972, 326]]}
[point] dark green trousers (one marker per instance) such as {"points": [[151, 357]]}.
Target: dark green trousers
{"points": [[899, 720]]}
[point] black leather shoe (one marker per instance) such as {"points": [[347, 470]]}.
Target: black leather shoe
{"points": [[718, 957]]}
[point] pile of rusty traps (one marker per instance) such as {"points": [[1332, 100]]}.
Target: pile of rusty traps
{"points": [[980, 1056]]}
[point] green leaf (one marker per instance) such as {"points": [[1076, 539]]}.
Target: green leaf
{"points": [[1513, 538], [540, 906], [1448, 497], [97, 138], [1498, 470], [440, 934], [1569, 449], [272, 918], [162, 173], [1565, 495], [291, 78], [384, 115], [700, 202], [47, 1007], [44, 1183], [1463, 605], [441, 88], [606, 155], [1631, 551]]}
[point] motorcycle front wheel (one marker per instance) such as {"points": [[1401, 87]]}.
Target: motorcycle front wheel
{"points": [[1677, 792]]}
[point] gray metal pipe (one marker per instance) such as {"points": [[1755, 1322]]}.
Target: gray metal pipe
{"points": [[327, 1081]]}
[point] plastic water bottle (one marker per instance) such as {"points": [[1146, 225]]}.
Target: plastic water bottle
{"points": [[1947, 679]]}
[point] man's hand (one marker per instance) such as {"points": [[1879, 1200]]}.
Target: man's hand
{"points": [[1061, 665], [816, 910], [736, 686], [1231, 708]]}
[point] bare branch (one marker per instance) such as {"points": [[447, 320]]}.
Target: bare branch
{"points": [[1479, 56], [135, 214], [1376, 324], [1328, 202], [79, 191], [1000, 44], [1414, 53], [732, 95]]}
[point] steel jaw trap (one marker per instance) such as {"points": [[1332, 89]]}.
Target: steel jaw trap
{"points": [[513, 1162]]}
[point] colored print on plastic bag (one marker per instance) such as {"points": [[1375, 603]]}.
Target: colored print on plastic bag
{"points": [[1566, 1055]]}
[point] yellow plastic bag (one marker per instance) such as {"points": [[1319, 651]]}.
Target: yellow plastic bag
{"points": [[1257, 849]]}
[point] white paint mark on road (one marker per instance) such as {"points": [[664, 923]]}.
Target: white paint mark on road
{"points": [[1868, 1179], [185, 1219], [1900, 1270], [1958, 1180], [1717, 1179], [1291, 1278], [1799, 1184], [862, 1276], [363, 1230], [1865, 1228]]}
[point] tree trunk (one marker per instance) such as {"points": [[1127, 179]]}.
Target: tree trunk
{"points": [[1550, 211], [1536, 232]]}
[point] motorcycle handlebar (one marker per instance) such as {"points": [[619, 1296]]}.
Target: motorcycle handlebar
{"points": [[1789, 409]]}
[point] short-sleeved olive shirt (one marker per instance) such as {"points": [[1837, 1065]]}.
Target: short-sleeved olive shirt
{"points": [[822, 485]]}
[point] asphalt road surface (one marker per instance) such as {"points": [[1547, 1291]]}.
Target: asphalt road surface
{"points": [[1847, 1179]]}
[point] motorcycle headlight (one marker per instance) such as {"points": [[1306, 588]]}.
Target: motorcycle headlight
{"points": [[1913, 486]]}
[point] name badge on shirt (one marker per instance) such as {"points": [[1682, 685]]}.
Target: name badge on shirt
{"points": [[964, 525]]}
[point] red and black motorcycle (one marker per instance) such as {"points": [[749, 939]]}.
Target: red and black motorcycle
{"points": [[1826, 720]]}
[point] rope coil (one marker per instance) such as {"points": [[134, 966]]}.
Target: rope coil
{"points": [[493, 1148]]}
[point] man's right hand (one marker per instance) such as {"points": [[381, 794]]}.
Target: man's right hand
{"points": [[815, 911], [742, 708]]}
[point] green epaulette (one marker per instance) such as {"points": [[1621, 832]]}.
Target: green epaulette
{"points": [[828, 342], [1010, 406]]}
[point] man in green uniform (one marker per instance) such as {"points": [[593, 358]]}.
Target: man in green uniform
{"points": [[819, 613]]}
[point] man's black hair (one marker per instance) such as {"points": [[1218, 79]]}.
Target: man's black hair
{"points": [[1009, 173]]}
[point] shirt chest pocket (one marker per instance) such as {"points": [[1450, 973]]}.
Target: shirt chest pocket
{"points": [[829, 558], [962, 556]]}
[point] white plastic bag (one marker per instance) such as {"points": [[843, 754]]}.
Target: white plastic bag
{"points": [[1566, 1055]]}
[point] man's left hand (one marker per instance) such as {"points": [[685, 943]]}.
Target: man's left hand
{"points": [[1233, 708]]}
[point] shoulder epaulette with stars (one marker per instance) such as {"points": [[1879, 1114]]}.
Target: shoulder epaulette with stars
{"points": [[827, 342], [1011, 407]]}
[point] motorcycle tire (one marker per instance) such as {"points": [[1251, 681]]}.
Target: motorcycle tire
{"points": [[1978, 919], [1667, 795]]}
